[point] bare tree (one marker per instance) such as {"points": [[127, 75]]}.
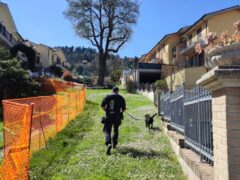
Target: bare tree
{"points": [[107, 24]]}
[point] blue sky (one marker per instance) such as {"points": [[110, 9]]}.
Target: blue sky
{"points": [[42, 21]]}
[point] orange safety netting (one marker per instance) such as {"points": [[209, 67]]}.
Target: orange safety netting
{"points": [[53, 85], [16, 140], [30, 122]]}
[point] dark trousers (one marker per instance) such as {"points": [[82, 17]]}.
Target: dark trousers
{"points": [[112, 123]]}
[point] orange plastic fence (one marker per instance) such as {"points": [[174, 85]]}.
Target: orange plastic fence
{"points": [[16, 140], [30, 122], [53, 85]]}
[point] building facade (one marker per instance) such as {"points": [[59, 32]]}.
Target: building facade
{"points": [[181, 64], [47, 57], [9, 35]]}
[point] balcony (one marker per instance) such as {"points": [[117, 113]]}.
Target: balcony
{"points": [[187, 76], [181, 46], [188, 63], [6, 38], [149, 66], [192, 43]]}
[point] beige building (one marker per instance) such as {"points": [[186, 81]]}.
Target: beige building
{"points": [[165, 53], [47, 56], [60, 57], [181, 64], [9, 35]]}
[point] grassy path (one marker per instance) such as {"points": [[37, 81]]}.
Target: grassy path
{"points": [[78, 152]]}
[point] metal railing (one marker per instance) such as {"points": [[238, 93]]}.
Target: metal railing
{"points": [[190, 113], [149, 66], [177, 109], [166, 106], [146, 87], [7, 35], [198, 122]]}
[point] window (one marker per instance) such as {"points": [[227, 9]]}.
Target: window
{"points": [[201, 59], [38, 60], [174, 52], [190, 39], [199, 31], [58, 61]]}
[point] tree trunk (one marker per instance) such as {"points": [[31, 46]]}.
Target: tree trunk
{"points": [[102, 69]]}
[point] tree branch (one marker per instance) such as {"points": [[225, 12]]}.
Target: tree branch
{"points": [[119, 46]]}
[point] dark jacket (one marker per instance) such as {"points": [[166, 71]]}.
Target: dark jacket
{"points": [[114, 105]]}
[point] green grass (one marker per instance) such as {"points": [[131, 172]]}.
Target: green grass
{"points": [[78, 152]]}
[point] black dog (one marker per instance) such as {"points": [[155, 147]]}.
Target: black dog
{"points": [[149, 120]]}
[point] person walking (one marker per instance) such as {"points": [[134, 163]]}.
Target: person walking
{"points": [[114, 105]]}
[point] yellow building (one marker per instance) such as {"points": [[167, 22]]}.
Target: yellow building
{"points": [[47, 56], [60, 57], [164, 53], [190, 63], [9, 35], [182, 65]]}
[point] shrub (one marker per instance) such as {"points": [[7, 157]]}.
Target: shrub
{"points": [[28, 51], [115, 75], [110, 84], [161, 84], [131, 86], [57, 70], [15, 81], [88, 80], [67, 76]]}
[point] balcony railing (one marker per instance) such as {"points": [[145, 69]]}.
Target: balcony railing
{"points": [[183, 64], [7, 35], [197, 39], [191, 45], [181, 46], [149, 66]]}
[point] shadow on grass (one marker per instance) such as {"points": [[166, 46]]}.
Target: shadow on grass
{"points": [[156, 129], [137, 153]]}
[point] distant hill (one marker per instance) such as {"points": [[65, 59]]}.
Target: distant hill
{"points": [[75, 56]]}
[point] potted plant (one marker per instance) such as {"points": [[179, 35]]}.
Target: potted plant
{"points": [[211, 39], [227, 51], [236, 34], [161, 85]]}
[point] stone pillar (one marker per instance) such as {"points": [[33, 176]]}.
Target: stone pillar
{"points": [[224, 83]]}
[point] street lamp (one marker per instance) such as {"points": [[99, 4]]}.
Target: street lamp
{"points": [[84, 70]]}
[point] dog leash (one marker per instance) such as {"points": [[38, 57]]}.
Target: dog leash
{"points": [[133, 117]]}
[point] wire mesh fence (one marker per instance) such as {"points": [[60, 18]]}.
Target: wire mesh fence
{"points": [[30, 122]]}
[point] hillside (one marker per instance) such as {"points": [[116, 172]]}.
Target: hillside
{"points": [[76, 55]]}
